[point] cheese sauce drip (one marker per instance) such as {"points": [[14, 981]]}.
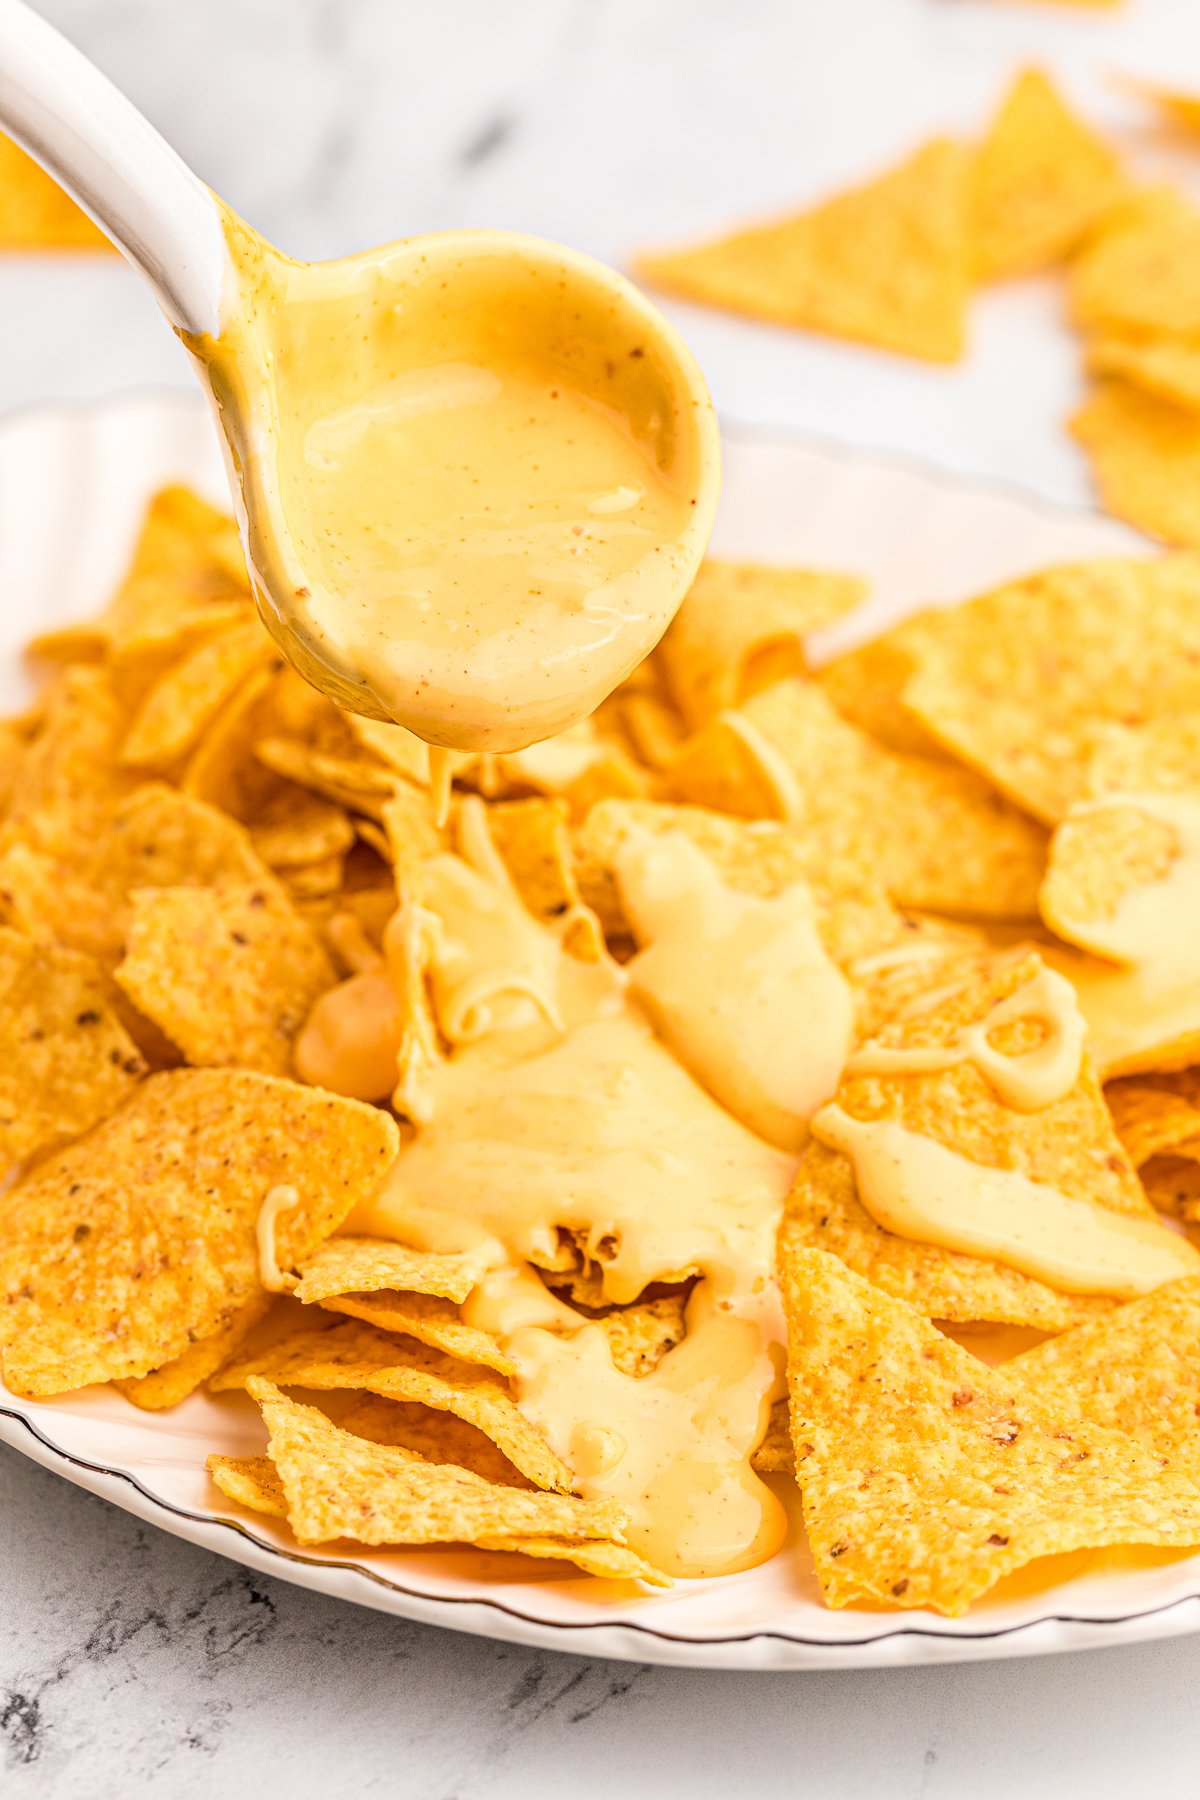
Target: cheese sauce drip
{"points": [[740, 987], [918, 1188], [572, 1115], [1027, 1082], [477, 474]]}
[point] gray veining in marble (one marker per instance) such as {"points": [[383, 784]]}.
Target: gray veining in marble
{"points": [[132, 1663]]}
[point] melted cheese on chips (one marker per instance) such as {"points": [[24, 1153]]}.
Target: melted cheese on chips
{"points": [[918, 1188]]}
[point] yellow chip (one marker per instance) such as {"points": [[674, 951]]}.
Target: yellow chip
{"points": [[1041, 179], [882, 264], [35, 213], [187, 575], [925, 1475], [1176, 105], [1069, 1145], [199, 1362], [1145, 455], [741, 627], [775, 1455], [120, 1252], [229, 971], [68, 782], [867, 687], [1155, 1114], [355, 1355], [158, 837], [1170, 371], [439, 1437], [296, 829], [250, 1480], [1018, 681], [534, 843], [223, 770], [1137, 1370], [181, 705], [65, 1060], [339, 1485], [787, 754], [639, 1336], [1141, 275], [432, 1321], [354, 1265]]}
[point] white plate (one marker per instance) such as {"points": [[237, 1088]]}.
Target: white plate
{"points": [[72, 485]]}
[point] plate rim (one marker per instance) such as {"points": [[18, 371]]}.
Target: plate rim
{"points": [[486, 1615]]}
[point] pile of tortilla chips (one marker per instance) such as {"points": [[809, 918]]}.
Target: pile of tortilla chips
{"points": [[197, 852], [893, 264]]}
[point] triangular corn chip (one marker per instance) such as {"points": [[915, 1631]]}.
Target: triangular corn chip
{"points": [[1068, 1145], [228, 971], [35, 213], [1041, 179], [882, 264], [65, 1060], [1018, 681], [119, 1253], [743, 626], [340, 1485], [874, 814], [355, 1355], [1141, 275], [1168, 370], [1145, 455], [1136, 1370], [926, 1476]]}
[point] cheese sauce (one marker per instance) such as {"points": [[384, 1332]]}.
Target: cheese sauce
{"points": [[918, 1188], [477, 473], [1027, 1082]]}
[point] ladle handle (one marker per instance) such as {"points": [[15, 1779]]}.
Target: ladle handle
{"points": [[98, 146]]}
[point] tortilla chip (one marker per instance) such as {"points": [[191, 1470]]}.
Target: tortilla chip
{"points": [[68, 782], [439, 1437], [355, 1355], [297, 829], [1069, 1145], [875, 815], [187, 576], [882, 264], [229, 972], [639, 1336], [775, 1455], [1018, 681], [252, 1481], [358, 782], [158, 837], [1140, 277], [223, 770], [120, 1252], [1155, 1115], [925, 1475], [185, 701], [1137, 1370], [430, 1320], [867, 687], [353, 1265], [1176, 105], [1172, 1184], [65, 1059], [1167, 370], [1145, 455], [1041, 179], [35, 213], [741, 627], [534, 843], [199, 1362], [340, 1485]]}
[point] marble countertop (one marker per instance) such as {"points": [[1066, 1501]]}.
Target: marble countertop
{"points": [[128, 1659]]}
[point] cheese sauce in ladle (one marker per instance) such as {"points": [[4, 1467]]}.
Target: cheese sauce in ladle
{"points": [[477, 473]]}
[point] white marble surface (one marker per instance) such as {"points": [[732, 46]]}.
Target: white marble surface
{"points": [[130, 1661]]}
